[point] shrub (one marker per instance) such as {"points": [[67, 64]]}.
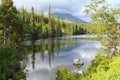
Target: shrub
{"points": [[10, 64], [65, 74]]}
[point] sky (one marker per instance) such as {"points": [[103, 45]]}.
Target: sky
{"points": [[74, 7]]}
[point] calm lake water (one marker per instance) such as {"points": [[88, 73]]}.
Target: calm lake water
{"points": [[46, 56]]}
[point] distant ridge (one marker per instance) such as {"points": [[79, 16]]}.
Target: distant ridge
{"points": [[68, 17]]}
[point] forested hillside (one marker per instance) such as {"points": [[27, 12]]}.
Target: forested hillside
{"points": [[20, 23]]}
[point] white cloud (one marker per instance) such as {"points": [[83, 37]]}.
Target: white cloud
{"points": [[56, 5], [75, 7], [114, 3]]}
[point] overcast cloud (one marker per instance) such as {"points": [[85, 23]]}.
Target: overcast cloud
{"points": [[74, 7]]}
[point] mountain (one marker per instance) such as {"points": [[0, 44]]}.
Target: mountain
{"points": [[68, 17]]}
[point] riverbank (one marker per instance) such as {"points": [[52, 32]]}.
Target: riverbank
{"points": [[101, 68]]}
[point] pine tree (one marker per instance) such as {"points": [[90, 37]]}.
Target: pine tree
{"points": [[32, 21], [7, 17], [32, 25], [49, 23]]}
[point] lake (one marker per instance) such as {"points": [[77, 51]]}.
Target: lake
{"points": [[46, 56]]}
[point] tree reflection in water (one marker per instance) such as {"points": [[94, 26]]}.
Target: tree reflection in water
{"points": [[52, 46]]}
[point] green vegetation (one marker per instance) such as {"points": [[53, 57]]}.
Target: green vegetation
{"points": [[103, 14], [39, 26], [64, 74], [11, 34], [103, 68], [11, 27], [10, 64]]}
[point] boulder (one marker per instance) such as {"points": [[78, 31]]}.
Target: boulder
{"points": [[77, 63]]}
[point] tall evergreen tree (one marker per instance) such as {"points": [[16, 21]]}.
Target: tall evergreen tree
{"points": [[49, 23], [7, 17], [32, 21], [32, 25]]}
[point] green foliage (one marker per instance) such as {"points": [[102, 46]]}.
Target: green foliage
{"points": [[95, 29], [64, 74], [12, 26], [98, 63], [105, 68], [32, 20], [102, 14], [10, 64], [43, 27]]}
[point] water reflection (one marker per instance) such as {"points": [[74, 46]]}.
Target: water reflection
{"points": [[52, 46], [45, 56]]}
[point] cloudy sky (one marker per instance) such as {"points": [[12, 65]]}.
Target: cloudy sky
{"points": [[74, 7]]}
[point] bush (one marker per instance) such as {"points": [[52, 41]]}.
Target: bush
{"points": [[65, 74], [98, 63], [10, 64], [105, 68]]}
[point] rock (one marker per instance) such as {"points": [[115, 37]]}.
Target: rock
{"points": [[80, 72], [77, 63]]}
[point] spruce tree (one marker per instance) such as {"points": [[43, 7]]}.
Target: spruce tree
{"points": [[32, 24], [7, 17]]}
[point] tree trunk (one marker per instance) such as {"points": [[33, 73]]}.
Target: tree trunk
{"points": [[4, 34]]}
